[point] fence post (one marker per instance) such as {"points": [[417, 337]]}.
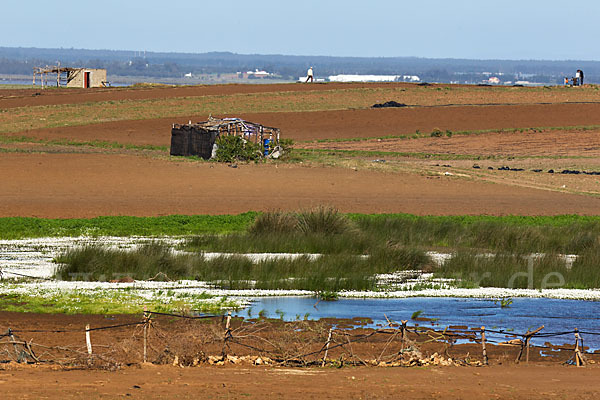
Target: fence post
{"points": [[578, 357], [528, 335], [483, 349], [227, 332], [88, 342], [327, 347], [402, 331], [12, 339], [146, 322]]}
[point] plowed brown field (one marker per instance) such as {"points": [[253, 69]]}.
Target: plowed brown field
{"points": [[88, 185], [316, 125], [72, 184]]}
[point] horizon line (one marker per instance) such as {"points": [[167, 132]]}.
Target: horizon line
{"points": [[300, 55]]}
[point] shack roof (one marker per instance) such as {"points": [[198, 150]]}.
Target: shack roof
{"points": [[227, 124]]}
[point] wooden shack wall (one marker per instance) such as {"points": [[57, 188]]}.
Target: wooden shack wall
{"points": [[192, 141]]}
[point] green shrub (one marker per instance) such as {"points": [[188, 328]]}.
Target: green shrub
{"points": [[437, 133], [235, 148], [287, 148]]}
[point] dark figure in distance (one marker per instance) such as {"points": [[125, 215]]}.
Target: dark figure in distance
{"points": [[580, 73]]}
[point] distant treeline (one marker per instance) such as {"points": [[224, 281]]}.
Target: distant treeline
{"points": [[152, 64]]}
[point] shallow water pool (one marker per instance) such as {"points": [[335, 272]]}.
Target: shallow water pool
{"points": [[556, 315]]}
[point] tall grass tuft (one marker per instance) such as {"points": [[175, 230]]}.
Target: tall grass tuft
{"points": [[325, 220], [95, 263], [332, 272], [522, 271], [273, 222]]}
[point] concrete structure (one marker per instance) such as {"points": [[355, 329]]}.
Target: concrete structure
{"points": [[86, 77], [72, 77]]}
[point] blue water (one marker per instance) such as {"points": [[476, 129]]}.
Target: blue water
{"points": [[4, 81], [523, 314]]}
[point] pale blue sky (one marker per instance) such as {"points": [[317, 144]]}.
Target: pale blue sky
{"points": [[508, 29]]}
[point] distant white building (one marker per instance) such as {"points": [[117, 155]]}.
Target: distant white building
{"points": [[494, 80], [304, 78], [258, 74], [411, 78], [364, 78], [253, 74]]}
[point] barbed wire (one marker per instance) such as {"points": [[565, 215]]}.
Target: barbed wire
{"points": [[445, 335]]}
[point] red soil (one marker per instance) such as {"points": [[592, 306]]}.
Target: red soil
{"points": [[549, 143], [88, 185], [349, 123], [159, 382], [10, 98], [542, 378]]}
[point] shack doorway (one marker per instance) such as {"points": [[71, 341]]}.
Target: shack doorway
{"points": [[86, 79]]}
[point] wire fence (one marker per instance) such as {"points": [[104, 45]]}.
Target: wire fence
{"points": [[187, 340]]}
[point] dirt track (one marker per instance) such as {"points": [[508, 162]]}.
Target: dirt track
{"points": [[514, 382]]}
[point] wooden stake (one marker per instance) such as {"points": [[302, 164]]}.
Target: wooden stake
{"points": [[578, 357], [484, 351], [228, 324], [146, 321], [12, 339], [528, 336], [227, 332], [30, 350], [88, 342], [326, 347], [402, 331]]}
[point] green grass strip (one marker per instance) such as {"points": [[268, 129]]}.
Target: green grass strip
{"points": [[448, 133], [107, 301], [172, 225], [181, 225], [67, 142]]}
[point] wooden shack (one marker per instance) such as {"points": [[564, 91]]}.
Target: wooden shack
{"points": [[199, 139]]}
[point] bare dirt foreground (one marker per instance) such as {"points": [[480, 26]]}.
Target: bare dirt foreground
{"points": [[502, 382], [543, 377], [89, 185]]}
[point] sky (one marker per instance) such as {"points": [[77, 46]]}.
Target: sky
{"points": [[507, 29]]}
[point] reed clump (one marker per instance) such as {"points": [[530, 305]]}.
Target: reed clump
{"points": [[522, 271], [322, 219], [330, 272]]}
